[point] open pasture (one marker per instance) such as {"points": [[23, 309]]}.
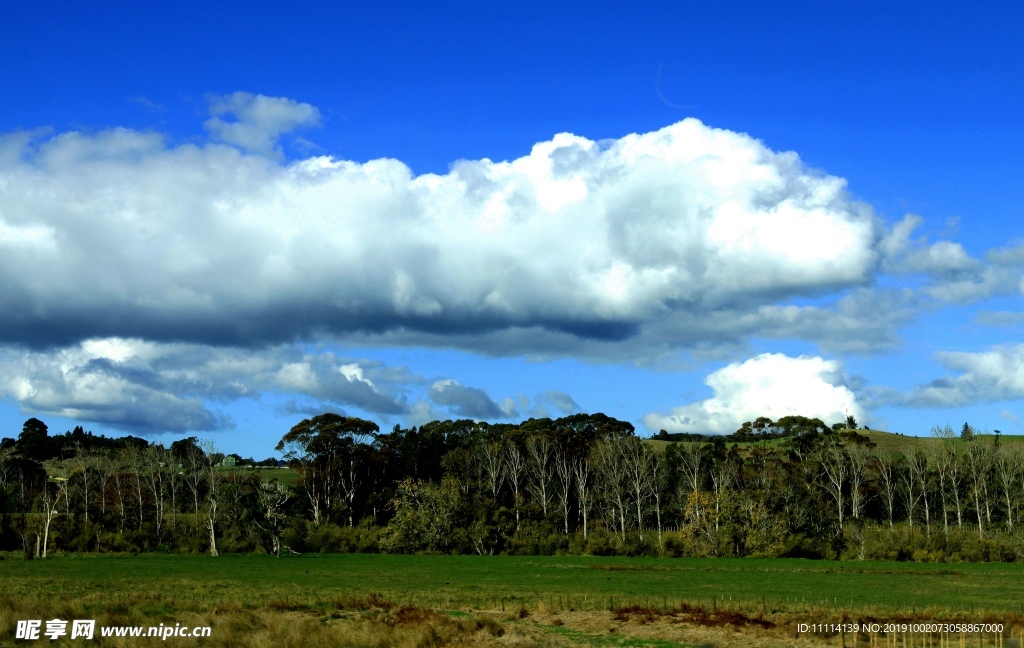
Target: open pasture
{"points": [[391, 601], [490, 582]]}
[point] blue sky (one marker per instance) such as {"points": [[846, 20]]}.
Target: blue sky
{"points": [[152, 156]]}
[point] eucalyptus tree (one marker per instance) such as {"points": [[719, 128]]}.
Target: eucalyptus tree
{"points": [[84, 473], [859, 459], [979, 464], [272, 497], [656, 484], [888, 481], [724, 475], [330, 453], [957, 476], [540, 452], [51, 498], [490, 457], [193, 463], [832, 460], [564, 484], [583, 486], [1008, 474], [515, 469], [157, 474], [692, 457], [612, 482], [910, 484], [214, 481], [637, 457], [941, 459]]}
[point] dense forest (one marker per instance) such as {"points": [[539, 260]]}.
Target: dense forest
{"points": [[583, 484]]}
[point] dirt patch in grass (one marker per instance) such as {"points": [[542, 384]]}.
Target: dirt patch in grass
{"points": [[655, 629]]}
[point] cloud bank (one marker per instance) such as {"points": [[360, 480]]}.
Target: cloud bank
{"points": [[151, 387], [144, 386], [673, 238], [143, 282]]}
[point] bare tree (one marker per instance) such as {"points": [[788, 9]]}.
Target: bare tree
{"points": [[214, 481], [941, 459], [692, 457], [272, 498], [303, 462], [194, 475], [349, 479], [540, 462], [918, 470], [888, 482], [1007, 466], [564, 472], [832, 460], [956, 473], [978, 462], [173, 476], [581, 479], [84, 471], [611, 471], [657, 483], [515, 467], [859, 460], [723, 477], [908, 485], [491, 458], [135, 460], [51, 499], [119, 484], [155, 474], [636, 460]]}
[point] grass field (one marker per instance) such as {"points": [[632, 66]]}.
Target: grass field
{"points": [[286, 476], [890, 442], [555, 601], [563, 581]]}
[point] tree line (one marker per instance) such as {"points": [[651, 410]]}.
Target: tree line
{"points": [[583, 484]]}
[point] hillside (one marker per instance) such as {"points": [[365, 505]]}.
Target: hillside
{"points": [[892, 442]]}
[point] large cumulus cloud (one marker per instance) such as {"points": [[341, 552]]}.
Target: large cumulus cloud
{"points": [[772, 385], [641, 238], [142, 281]]}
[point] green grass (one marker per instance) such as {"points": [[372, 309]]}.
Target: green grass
{"points": [[891, 442], [286, 476], [490, 582]]}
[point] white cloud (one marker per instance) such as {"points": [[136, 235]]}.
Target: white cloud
{"points": [[259, 121], [999, 319], [554, 404], [907, 255], [954, 276], [988, 376], [153, 387], [942, 258], [470, 402], [623, 247], [772, 385]]}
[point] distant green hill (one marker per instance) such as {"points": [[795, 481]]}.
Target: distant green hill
{"points": [[892, 442]]}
